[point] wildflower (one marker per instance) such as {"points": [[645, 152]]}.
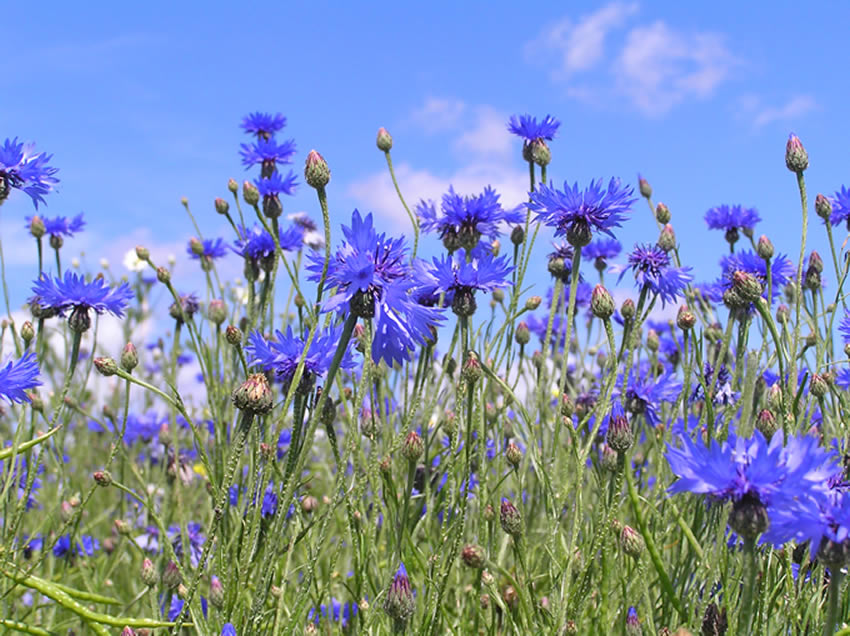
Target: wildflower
{"points": [[269, 504], [263, 125], [652, 270], [195, 538], [459, 279], [840, 206], [60, 226], [87, 546], [530, 129], [781, 270], [17, 376], [400, 603], [510, 518], [463, 221], [283, 354], [74, 293], [208, 249], [577, 215], [268, 153], [257, 246], [600, 251], [731, 218], [271, 188], [186, 306], [796, 157], [23, 169]]}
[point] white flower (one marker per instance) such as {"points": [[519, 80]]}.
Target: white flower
{"points": [[133, 262]]}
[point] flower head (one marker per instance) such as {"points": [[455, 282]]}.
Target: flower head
{"points": [[578, 214], [208, 249], [840, 206], [23, 169], [530, 129], [267, 152], [652, 269], [601, 250], [277, 184], [16, 376], [781, 270], [60, 225], [263, 125], [75, 293], [256, 244], [459, 278]]}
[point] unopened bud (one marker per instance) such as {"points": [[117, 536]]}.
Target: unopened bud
{"points": [[783, 313], [222, 206], [796, 157], [216, 592], [27, 332], [196, 246], [685, 318], [106, 366], [122, 527], [601, 303], [819, 385], [746, 286], [37, 228], [232, 186], [254, 395], [316, 171], [652, 341], [412, 447], [823, 207], [142, 253], [517, 235], [129, 357], [171, 576], [533, 303], [523, 334], [385, 141], [473, 556], [764, 248], [250, 193], [102, 478], [627, 309], [645, 188], [766, 423], [667, 238], [513, 454], [510, 519], [163, 275], [471, 371], [662, 214], [619, 437], [631, 542], [148, 574], [233, 335]]}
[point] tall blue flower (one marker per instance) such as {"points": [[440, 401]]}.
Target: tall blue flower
{"points": [[844, 328], [600, 251], [840, 206], [267, 153], [578, 214], [208, 249], [530, 129], [263, 125], [74, 293], [16, 376], [653, 271], [373, 279], [60, 226], [646, 393], [271, 187], [283, 354], [781, 270], [462, 221], [731, 219], [24, 169], [459, 278], [257, 246]]}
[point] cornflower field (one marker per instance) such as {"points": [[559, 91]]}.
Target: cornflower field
{"points": [[354, 439]]}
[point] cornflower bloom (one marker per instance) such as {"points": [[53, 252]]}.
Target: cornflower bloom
{"points": [[782, 270], [577, 214], [731, 219], [459, 278], [17, 376], [206, 250], [600, 251], [653, 272], [272, 187], [74, 293], [268, 153], [23, 169], [263, 125], [60, 226], [529, 129], [840, 206]]}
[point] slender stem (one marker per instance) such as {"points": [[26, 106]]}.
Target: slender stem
{"points": [[323, 202], [801, 185], [749, 586], [413, 221], [836, 577]]}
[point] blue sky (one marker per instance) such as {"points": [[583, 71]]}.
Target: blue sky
{"points": [[140, 107]]}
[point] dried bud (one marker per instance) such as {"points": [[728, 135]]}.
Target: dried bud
{"points": [[473, 556], [384, 141], [510, 519], [412, 447], [823, 207], [254, 395], [667, 238], [102, 478], [645, 188], [129, 357], [250, 193], [523, 334], [171, 576], [233, 335], [513, 454], [764, 248], [106, 366], [662, 214], [533, 303], [796, 157], [316, 171], [601, 303], [627, 309]]}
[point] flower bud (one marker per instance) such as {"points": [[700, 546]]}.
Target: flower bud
{"points": [[250, 193], [610, 459], [171, 576], [601, 303], [652, 341], [816, 262], [142, 253], [254, 395], [498, 295], [56, 242], [782, 314], [316, 171], [633, 627], [662, 214], [567, 406], [216, 592], [823, 207], [557, 267], [105, 366], [196, 246], [667, 238], [217, 311], [510, 597], [27, 332], [513, 454], [523, 334], [495, 247], [685, 318], [533, 303], [627, 309], [819, 385], [128, 631], [222, 206], [129, 357], [631, 542], [122, 527], [233, 335], [473, 556], [163, 275], [412, 447], [746, 286], [102, 478], [384, 141], [37, 228], [400, 604], [764, 248], [619, 437], [766, 423], [645, 188], [232, 186], [510, 519], [148, 574], [796, 157], [471, 371]]}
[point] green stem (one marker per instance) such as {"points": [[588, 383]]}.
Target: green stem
{"points": [[836, 577], [410, 214]]}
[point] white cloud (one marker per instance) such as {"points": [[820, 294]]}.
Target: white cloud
{"points": [[438, 114], [654, 66], [581, 45], [794, 108], [659, 67], [489, 135]]}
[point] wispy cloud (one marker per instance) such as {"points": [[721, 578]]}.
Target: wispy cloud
{"points": [[438, 114], [655, 66], [791, 110]]}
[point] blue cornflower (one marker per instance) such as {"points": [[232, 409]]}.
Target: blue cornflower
{"points": [[87, 546], [652, 270], [840, 206], [844, 328], [258, 245], [282, 356], [277, 184], [196, 541], [60, 225], [781, 270], [373, 279], [263, 125], [228, 630], [23, 169], [210, 249], [731, 218], [819, 520], [267, 152], [578, 214], [530, 129], [601, 250], [16, 376], [74, 293], [645, 394], [462, 221], [269, 504], [722, 393], [459, 278]]}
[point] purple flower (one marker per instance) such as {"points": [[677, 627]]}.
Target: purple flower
{"points": [[17, 376], [210, 249], [195, 538], [267, 152], [530, 129], [578, 214], [601, 250], [781, 270], [731, 218], [23, 169], [263, 124], [277, 184], [60, 225], [840, 206], [459, 278], [87, 546], [652, 270], [73, 292]]}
